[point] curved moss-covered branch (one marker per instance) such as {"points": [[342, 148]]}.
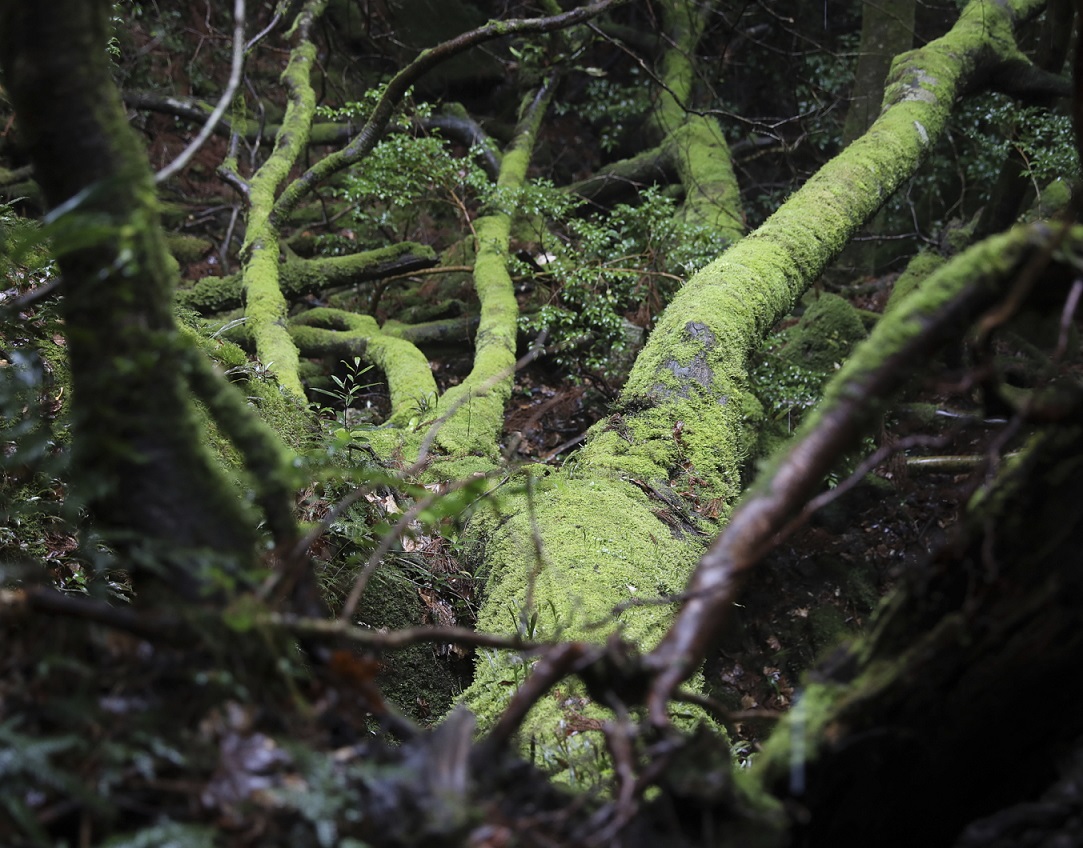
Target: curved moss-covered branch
{"points": [[396, 89], [475, 426], [193, 109], [265, 304], [453, 122], [300, 277], [334, 332]]}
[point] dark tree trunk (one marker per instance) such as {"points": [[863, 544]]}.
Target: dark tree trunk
{"points": [[904, 742], [139, 461]]}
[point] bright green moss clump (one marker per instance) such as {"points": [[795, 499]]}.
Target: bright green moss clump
{"points": [[606, 543]]}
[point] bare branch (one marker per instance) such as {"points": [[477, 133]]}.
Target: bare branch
{"points": [[223, 102], [365, 140]]}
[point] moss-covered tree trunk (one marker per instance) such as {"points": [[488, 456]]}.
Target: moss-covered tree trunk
{"points": [[630, 516], [139, 460]]}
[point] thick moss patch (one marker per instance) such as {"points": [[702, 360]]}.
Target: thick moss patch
{"points": [[605, 543]]}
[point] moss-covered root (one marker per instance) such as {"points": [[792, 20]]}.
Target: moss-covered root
{"points": [[265, 305], [476, 406], [299, 277], [333, 332]]}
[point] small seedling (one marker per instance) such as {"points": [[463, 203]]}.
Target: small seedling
{"points": [[348, 387]]}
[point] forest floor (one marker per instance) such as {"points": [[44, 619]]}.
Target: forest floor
{"points": [[816, 588]]}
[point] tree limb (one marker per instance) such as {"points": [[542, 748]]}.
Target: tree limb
{"points": [[949, 300], [396, 89]]}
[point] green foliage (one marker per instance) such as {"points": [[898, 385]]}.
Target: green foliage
{"points": [[387, 191], [166, 835], [627, 263], [357, 111], [786, 389], [985, 131], [25, 260], [824, 82], [1041, 137], [27, 766], [613, 109], [348, 387]]}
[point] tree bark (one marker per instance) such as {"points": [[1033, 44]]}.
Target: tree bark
{"points": [[892, 726], [139, 462]]}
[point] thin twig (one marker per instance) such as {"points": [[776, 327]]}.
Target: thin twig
{"points": [[1066, 316], [223, 102], [553, 666], [393, 535], [391, 640]]}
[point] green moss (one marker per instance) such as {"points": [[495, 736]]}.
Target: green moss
{"points": [[265, 308], [804, 725], [705, 169], [984, 266], [476, 406], [265, 304], [298, 277], [704, 339], [187, 249], [827, 626], [683, 28], [917, 269], [824, 337], [702, 458], [345, 334], [1052, 199], [414, 679], [457, 468], [290, 420], [604, 544]]}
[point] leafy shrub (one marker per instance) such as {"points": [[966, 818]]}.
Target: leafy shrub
{"points": [[626, 263]]}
